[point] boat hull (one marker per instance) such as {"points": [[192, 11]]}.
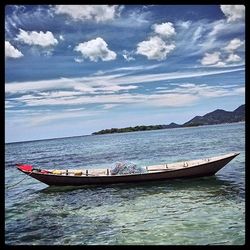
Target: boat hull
{"points": [[206, 169]]}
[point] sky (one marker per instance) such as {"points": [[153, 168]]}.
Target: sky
{"points": [[71, 70]]}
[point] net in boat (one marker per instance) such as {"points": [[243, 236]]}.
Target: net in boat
{"points": [[126, 168]]}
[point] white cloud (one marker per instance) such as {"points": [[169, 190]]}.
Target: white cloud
{"points": [[95, 49], [114, 88], [87, 83], [233, 58], [211, 58], [218, 27], [154, 48], [102, 89], [107, 93], [204, 90], [220, 64], [214, 34], [98, 13], [109, 106], [11, 51], [197, 34], [43, 39], [128, 55], [215, 59], [171, 100], [240, 90], [60, 83], [159, 45], [132, 18], [184, 24], [222, 27], [233, 45], [165, 30], [233, 12], [78, 60], [8, 104], [128, 58], [133, 68], [180, 96], [57, 94], [61, 37], [79, 100], [84, 89]]}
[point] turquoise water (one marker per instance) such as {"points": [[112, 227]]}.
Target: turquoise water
{"points": [[200, 211]]}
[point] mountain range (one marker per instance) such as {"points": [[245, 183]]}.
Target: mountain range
{"points": [[217, 116]]}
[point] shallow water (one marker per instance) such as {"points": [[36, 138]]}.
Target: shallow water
{"points": [[200, 211]]}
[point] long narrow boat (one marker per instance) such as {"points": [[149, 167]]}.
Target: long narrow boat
{"points": [[185, 169]]}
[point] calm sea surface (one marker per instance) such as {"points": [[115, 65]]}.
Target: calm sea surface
{"points": [[201, 211]]}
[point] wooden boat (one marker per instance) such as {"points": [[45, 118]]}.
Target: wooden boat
{"points": [[185, 169]]}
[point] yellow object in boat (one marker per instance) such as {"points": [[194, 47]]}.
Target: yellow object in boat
{"points": [[57, 172], [78, 172]]}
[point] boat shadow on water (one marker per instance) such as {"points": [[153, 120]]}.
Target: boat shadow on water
{"points": [[211, 185]]}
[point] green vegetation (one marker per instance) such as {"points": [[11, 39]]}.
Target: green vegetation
{"points": [[129, 129]]}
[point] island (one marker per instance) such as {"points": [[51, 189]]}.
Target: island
{"points": [[218, 116]]}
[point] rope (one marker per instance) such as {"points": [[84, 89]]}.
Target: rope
{"points": [[11, 186]]}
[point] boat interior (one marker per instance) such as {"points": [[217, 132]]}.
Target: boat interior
{"points": [[148, 169]]}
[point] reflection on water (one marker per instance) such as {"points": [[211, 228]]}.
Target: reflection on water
{"points": [[212, 185]]}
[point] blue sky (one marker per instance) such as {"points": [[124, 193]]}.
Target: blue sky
{"points": [[74, 70]]}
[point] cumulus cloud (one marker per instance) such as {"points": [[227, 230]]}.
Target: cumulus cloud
{"points": [[233, 12], [96, 49], [211, 58], [220, 64], [165, 30], [11, 51], [233, 45], [154, 48], [43, 39], [98, 13], [233, 58], [159, 45], [226, 55]]}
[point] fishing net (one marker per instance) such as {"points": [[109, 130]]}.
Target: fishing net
{"points": [[126, 168]]}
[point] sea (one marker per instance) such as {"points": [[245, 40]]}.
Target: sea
{"points": [[197, 211]]}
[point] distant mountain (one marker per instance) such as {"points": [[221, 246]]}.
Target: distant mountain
{"points": [[216, 117], [240, 111]]}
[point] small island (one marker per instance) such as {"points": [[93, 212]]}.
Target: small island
{"points": [[219, 116]]}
